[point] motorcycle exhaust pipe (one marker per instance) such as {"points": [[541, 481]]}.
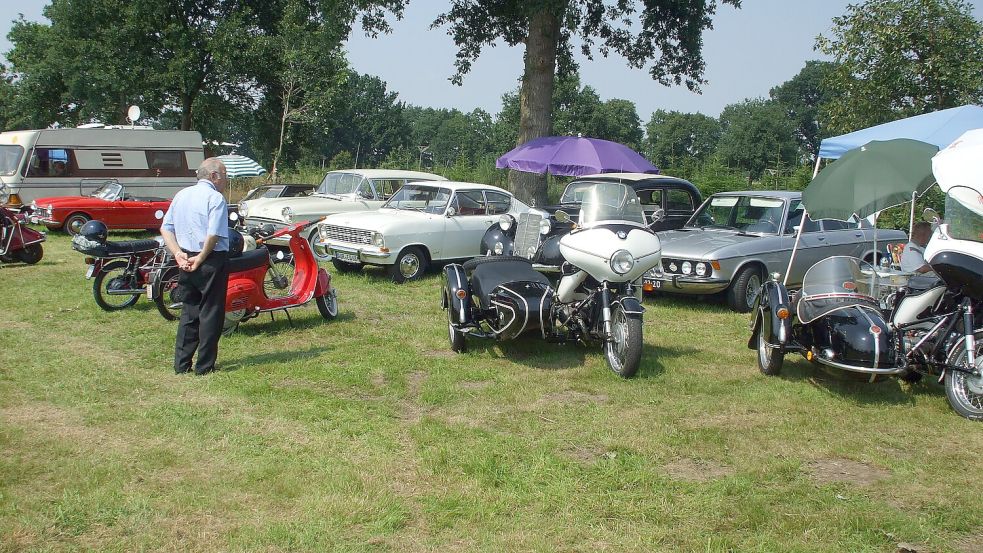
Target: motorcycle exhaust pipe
{"points": [[970, 336]]}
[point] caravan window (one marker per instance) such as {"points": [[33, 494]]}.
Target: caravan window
{"points": [[163, 159], [49, 162], [10, 157]]}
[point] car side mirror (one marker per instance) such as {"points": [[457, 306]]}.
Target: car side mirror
{"points": [[451, 211], [930, 215], [561, 216], [658, 215]]}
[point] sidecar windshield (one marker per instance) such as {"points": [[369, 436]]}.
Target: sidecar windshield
{"points": [[838, 276], [610, 202], [964, 213]]}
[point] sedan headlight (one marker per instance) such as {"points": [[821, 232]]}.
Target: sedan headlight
{"points": [[544, 227], [687, 268], [701, 269], [499, 248], [622, 262], [243, 208], [505, 222], [288, 215], [377, 240], [323, 232]]}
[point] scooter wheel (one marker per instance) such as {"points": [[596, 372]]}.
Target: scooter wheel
{"points": [[30, 254], [327, 305]]}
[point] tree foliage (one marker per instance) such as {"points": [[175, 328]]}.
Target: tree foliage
{"points": [[757, 135], [804, 97], [898, 58], [673, 137]]}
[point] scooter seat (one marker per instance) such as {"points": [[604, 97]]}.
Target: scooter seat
{"points": [[249, 260], [127, 247], [919, 284], [492, 273]]}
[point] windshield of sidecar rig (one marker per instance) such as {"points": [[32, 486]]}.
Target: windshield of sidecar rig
{"points": [[610, 201]]}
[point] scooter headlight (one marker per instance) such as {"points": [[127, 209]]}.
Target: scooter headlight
{"points": [[377, 240], [288, 215], [544, 227], [505, 222], [687, 268], [244, 209], [622, 262], [499, 248], [701, 269]]}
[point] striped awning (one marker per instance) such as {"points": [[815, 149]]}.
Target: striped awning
{"points": [[241, 166]]}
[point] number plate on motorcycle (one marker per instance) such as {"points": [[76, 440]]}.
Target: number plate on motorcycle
{"points": [[88, 273], [345, 256]]}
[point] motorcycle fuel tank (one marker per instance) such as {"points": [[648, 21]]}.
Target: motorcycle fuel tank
{"points": [[591, 249]]}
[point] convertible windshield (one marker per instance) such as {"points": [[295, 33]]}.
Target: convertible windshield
{"points": [[10, 157], [609, 201], [964, 213], [740, 213], [420, 198], [342, 183], [110, 191]]}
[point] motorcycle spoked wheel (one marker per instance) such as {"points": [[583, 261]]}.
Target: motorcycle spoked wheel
{"points": [[30, 254], [113, 276], [624, 350], [964, 390], [167, 306], [327, 305], [770, 360], [278, 285]]}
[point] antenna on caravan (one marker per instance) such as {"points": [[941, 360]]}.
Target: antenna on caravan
{"points": [[133, 115]]}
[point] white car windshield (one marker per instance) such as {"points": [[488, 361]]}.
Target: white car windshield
{"points": [[110, 191], [414, 197], [343, 183], [752, 214], [10, 157], [964, 213], [610, 201]]}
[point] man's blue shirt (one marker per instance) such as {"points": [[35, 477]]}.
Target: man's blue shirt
{"points": [[197, 212]]}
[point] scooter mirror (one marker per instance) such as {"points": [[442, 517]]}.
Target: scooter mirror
{"points": [[930, 215], [561, 216], [658, 215]]}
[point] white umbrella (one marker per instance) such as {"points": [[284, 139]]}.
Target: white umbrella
{"points": [[961, 164], [241, 166]]}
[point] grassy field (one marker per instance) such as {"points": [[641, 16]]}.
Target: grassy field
{"points": [[367, 434]]}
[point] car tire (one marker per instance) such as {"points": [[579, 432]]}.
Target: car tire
{"points": [[411, 264], [74, 222], [743, 289], [345, 266]]}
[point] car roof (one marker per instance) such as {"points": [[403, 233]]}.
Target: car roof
{"points": [[391, 173], [639, 179], [785, 194], [458, 185]]}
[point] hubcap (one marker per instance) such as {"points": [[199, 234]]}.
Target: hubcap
{"points": [[320, 252], [75, 225], [409, 266], [753, 285]]}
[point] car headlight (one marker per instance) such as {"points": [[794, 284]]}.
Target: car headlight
{"points": [[544, 227], [499, 248], [673, 267], [701, 269], [243, 208], [322, 232], [622, 262], [288, 215], [505, 222], [377, 240], [687, 267]]}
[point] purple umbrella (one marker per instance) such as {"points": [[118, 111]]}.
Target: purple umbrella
{"points": [[574, 156]]}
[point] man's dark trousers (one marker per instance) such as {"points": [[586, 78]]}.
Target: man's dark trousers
{"points": [[202, 314]]}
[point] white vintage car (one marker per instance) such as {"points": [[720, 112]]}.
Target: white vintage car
{"points": [[421, 224], [339, 192]]}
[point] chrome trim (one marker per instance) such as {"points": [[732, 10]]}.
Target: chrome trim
{"points": [[525, 322], [865, 370]]}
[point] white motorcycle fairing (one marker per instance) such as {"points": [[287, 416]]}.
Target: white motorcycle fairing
{"points": [[591, 249]]}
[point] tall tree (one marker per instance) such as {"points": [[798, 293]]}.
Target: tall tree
{"points": [[803, 96], [664, 35], [673, 137], [757, 134], [897, 58]]}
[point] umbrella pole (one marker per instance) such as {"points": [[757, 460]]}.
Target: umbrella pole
{"points": [[911, 225], [816, 170], [795, 246]]}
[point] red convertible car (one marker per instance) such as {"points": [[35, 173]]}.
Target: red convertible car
{"points": [[109, 204]]}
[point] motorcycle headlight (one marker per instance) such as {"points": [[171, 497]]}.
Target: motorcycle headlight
{"points": [[701, 269], [505, 222], [687, 267], [288, 215], [377, 240], [544, 227], [622, 262], [244, 208], [499, 248]]}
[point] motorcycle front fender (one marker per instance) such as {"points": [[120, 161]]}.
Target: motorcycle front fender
{"points": [[772, 299], [631, 306], [494, 235], [456, 285]]}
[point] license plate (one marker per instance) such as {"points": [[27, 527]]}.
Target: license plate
{"points": [[655, 284], [88, 273], [345, 256]]}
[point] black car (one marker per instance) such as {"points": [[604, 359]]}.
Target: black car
{"points": [[535, 235]]}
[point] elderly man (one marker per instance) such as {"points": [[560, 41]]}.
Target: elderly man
{"points": [[196, 231], [913, 258]]}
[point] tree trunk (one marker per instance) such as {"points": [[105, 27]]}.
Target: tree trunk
{"points": [[187, 100], [536, 100]]}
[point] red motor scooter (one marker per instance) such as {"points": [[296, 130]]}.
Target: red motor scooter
{"points": [[246, 297], [17, 241]]}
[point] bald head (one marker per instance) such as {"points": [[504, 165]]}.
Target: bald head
{"points": [[214, 170]]}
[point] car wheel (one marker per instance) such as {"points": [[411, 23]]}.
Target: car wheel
{"points": [[74, 222], [411, 264], [744, 289], [320, 252]]}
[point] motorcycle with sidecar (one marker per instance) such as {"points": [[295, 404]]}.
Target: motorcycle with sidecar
{"points": [[598, 295], [18, 242]]}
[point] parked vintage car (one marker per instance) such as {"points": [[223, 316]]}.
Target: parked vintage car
{"points": [[339, 192], [536, 235], [421, 224], [109, 203], [274, 191], [735, 239]]}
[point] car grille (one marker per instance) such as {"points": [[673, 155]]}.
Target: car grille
{"points": [[42, 213], [346, 234], [527, 235]]}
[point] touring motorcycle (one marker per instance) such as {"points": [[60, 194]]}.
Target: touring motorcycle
{"points": [[18, 242], [597, 298], [930, 327]]}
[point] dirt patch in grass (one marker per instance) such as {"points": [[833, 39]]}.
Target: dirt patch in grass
{"points": [[410, 409], [378, 380], [697, 470], [570, 397], [828, 471], [475, 384], [45, 420], [969, 544]]}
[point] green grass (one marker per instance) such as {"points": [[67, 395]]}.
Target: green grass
{"points": [[367, 434]]}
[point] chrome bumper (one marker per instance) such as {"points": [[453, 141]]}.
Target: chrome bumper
{"points": [[681, 284], [368, 254]]}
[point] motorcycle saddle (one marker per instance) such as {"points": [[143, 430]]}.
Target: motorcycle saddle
{"points": [[127, 247], [493, 273], [249, 260]]}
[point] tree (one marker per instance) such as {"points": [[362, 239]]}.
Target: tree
{"points": [[673, 137], [803, 96], [898, 58], [757, 134], [667, 34]]}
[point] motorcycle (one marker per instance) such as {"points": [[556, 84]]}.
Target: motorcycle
{"points": [[597, 298], [18, 242], [929, 327]]}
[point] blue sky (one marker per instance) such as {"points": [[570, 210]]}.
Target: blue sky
{"points": [[749, 50]]}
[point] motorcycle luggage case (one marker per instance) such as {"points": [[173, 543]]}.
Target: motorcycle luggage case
{"points": [[521, 307], [855, 338]]}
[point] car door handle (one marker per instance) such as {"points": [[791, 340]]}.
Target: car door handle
{"points": [[821, 238], [859, 235]]}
